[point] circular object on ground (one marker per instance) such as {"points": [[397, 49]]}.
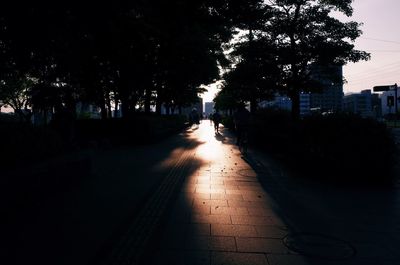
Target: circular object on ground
{"points": [[247, 173], [321, 246]]}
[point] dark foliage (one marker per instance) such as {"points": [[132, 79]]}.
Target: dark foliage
{"points": [[23, 144], [336, 147], [138, 129]]}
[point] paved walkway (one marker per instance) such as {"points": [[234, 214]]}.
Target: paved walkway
{"points": [[222, 214], [228, 210], [225, 215]]}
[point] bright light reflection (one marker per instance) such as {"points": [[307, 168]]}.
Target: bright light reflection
{"points": [[211, 148]]}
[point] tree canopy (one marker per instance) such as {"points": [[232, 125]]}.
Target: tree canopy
{"points": [[294, 35], [138, 54]]}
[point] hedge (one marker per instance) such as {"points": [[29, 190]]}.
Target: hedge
{"points": [[336, 147]]}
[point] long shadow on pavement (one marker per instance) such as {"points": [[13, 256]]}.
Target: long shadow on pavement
{"points": [[72, 226]]}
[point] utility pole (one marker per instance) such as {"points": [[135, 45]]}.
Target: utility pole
{"points": [[395, 99], [395, 104]]}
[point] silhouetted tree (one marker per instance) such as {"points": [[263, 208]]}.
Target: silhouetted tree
{"points": [[305, 33], [256, 75], [14, 92], [288, 37], [136, 53]]}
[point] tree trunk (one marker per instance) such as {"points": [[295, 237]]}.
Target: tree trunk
{"points": [[295, 97], [147, 100], [124, 108], [116, 108], [45, 116], [158, 106], [253, 106], [103, 111]]}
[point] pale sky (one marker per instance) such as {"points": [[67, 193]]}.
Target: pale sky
{"points": [[381, 38]]}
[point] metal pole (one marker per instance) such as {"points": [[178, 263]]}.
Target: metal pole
{"points": [[395, 104]]}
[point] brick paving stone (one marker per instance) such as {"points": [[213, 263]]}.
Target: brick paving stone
{"points": [[247, 204], [237, 197], [290, 260], [229, 258], [209, 190], [189, 188], [261, 245], [256, 196], [182, 258], [229, 210], [270, 231], [211, 181], [237, 192], [172, 239], [218, 186], [211, 219], [277, 221], [251, 220], [261, 211], [254, 189], [222, 243], [200, 209], [191, 196], [212, 203], [233, 230], [202, 186]]}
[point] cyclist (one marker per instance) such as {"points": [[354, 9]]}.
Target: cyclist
{"points": [[241, 120]]}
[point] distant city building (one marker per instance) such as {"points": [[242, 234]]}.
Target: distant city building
{"points": [[329, 99], [388, 101], [209, 108], [331, 96], [364, 103], [279, 102], [285, 103], [305, 104]]}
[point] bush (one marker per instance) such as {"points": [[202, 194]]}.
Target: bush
{"points": [[228, 122], [22, 144], [341, 147], [137, 129]]}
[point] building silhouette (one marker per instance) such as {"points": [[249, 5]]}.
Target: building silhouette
{"points": [[365, 103], [330, 98], [208, 108]]}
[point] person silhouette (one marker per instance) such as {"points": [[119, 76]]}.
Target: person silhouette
{"points": [[194, 117], [216, 120]]}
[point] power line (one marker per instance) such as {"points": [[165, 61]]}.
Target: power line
{"points": [[377, 75], [383, 51], [384, 68], [389, 41]]}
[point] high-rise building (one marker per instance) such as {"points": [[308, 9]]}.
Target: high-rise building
{"points": [[209, 108], [330, 98]]}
